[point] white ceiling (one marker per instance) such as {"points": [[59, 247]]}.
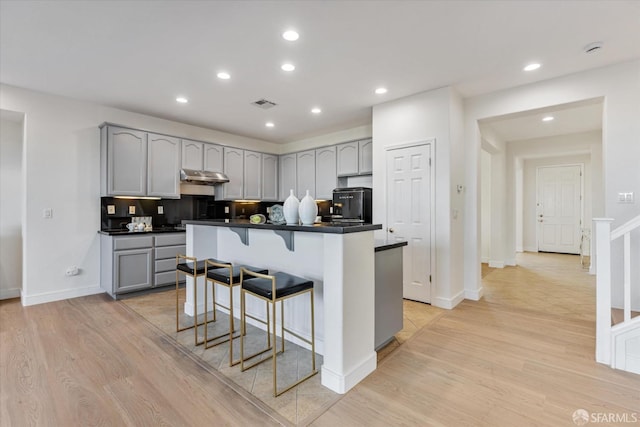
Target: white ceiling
{"points": [[140, 55]]}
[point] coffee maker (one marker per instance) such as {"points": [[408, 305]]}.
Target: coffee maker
{"points": [[352, 205]]}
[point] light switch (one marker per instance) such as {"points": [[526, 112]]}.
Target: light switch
{"points": [[132, 210], [47, 213], [625, 197]]}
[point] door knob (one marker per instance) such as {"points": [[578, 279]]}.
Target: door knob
{"points": [[390, 230]]}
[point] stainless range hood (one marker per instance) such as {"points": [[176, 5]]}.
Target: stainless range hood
{"points": [[191, 176]]}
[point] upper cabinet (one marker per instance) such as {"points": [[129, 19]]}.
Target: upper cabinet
{"points": [[355, 158], [288, 174], [234, 169], [306, 176], [163, 166], [136, 163], [213, 157], [252, 175], [192, 154], [365, 157], [326, 177], [269, 177]]}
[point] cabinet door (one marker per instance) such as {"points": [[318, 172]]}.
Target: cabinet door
{"points": [[365, 163], [252, 175], [213, 158], [234, 169], [306, 177], [126, 162], [347, 159], [132, 270], [269, 177], [192, 154], [288, 164], [326, 177], [163, 166]]}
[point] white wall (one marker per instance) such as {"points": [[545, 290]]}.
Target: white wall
{"points": [[11, 135], [421, 117], [62, 172], [620, 87], [485, 206]]}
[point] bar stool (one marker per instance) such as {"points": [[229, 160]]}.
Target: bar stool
{"points": [[228, 276], [272, 289], [190, 266]]}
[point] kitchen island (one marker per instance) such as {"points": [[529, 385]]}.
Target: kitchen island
{"points": [[340, 261]]}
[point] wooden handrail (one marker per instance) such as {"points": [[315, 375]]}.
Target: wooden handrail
{"points": [[625, 228]]}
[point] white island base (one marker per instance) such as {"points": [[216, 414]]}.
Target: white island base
{"points": [[341, 266]]}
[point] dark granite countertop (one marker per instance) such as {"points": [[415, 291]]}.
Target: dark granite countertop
{"points": [[324, 227], [383, 244], [122, 232]]}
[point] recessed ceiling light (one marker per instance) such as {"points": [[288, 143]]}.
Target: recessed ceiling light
{"points": [[182, 100], [269, 124], [532, 67], [223, 75], [381, 90], [290, 35], [316, 110], [288, 67], [548, 118]]}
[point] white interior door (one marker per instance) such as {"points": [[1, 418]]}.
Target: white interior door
{"points": [[559, 207], [409, 215]]}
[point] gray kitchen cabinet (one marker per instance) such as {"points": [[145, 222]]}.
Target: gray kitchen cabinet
{"points": [[234, 169], [326, 176], [347, 158], [123, 162], [252, 175], [126, 263], [365, 156], [166, 247], [269, 177], [163, 166], [213, 157], [306, 176], [192, 154], [287, 174]]}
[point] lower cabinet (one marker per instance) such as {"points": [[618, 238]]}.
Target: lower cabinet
{"points": [[135, 263]]}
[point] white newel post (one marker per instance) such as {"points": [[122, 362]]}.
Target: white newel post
{"points": [[602, 227]]}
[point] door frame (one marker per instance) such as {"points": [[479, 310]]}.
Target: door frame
{"points": [[581, 165], [432, 203]]}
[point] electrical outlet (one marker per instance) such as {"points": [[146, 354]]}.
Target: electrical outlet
{"points": [[72, 271], [111, 209], [160, 210], [226, 209], [132, 210]]}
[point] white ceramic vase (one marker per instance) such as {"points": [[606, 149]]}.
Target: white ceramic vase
{"points": [[308, 210], [290, 209]]}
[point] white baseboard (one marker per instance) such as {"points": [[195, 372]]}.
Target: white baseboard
{"points": [[519, 249], [45, 297], [496, 264], [530, 249], [448, 303], [9, 293], [342, 383], [484, 260], [510, 262], [474, 294]]}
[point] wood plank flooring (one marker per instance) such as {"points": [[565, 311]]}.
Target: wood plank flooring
{"points": [[524, 355]]}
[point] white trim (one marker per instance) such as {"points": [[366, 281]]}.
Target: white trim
{"points": [[474, 295], [496, 264], [510, 262], [343, 383], [449, 303], [45, 297], [9, 293], [530, 249], [484, 260], [431, 142]]}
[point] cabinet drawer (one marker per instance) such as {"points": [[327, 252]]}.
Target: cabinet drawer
{"points": [[166, 278], [170, 252], [120, 243], [165, 265], [171, 239]]}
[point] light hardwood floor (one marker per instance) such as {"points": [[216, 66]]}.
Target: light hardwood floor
{"points": [[521, 356]]}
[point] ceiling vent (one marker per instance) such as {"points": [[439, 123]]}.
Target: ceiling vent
{"points": [[264, 104]]}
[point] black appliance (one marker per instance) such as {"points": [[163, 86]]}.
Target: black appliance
{"points": [[352, 205]]}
